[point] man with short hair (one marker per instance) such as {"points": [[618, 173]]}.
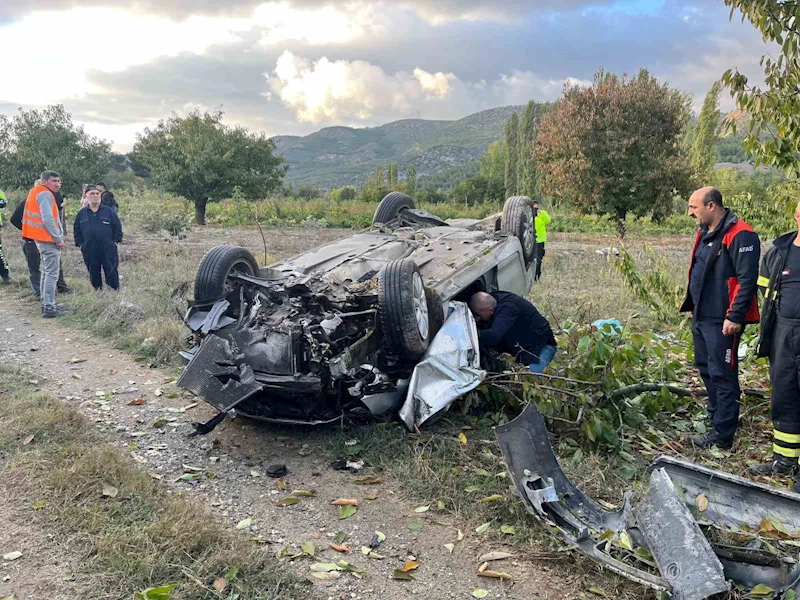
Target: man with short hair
{"points": [[41, 223], [97, 232], [511, 324], [721, 296], [4, 272]]}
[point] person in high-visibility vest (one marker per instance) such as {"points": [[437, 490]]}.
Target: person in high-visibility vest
{"points": [[4, 273], [41, 223], [540, 223]]}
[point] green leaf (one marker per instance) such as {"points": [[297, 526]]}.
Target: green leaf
{"points": [[790, 595], [598, 592], [479, 593], [325, 567], [493, 498], [38, 504], [231, 573], [762, 591], [415, 527], [472, 488], [402, 575], [110, 491], [422, 509], [339, 537], [440, 505], [308, 548], [347, 511], [508, 530], [156, 593], [380, 535], [483, 528], [625, 541], [244, 523]]}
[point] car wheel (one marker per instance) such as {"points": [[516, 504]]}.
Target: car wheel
{"points": [[517, 220], [390, 207], [403, 307], [210, 283]]}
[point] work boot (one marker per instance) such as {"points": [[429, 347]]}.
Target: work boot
{"points": [[64, 289], [52, 312], [6, 280], [779, 465], [711, 438]]}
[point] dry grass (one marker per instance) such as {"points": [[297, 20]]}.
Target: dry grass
{"points": [[144, 536]]}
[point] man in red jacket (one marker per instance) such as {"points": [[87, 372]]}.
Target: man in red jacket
{"points": [[721, 296]]}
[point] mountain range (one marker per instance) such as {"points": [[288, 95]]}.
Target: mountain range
{"points": [[337, 156]]}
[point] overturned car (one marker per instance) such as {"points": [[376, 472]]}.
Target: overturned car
{"points": [[340, 328]]}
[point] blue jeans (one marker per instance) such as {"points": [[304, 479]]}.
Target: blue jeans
{"points": [[546, 355]]}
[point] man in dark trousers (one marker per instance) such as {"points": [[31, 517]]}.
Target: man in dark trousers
{"points": [[780, 341], [721, 296], [31, 252], [4, 274], [97, 232], [511, 324]]}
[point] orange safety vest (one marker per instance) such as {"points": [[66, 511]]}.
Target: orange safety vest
{"points": [[32, 226]]}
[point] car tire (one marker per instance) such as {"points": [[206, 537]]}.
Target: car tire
{"points": [[518, 220], [403, 308], [217, 264], [390, 207]]}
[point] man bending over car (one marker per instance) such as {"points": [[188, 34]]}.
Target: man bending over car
{"points": [[509, 323]]}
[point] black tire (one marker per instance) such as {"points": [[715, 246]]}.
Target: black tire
{"points": [[401, 309], [518, 220], [390, 207], [217, 264]]}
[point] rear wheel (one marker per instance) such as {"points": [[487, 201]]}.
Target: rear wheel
{"points": [[517, 220], [403, 306], [391, 205], [210, 283]]}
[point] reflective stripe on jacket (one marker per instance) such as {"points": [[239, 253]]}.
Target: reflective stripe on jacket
{"points": [[32, 225]]}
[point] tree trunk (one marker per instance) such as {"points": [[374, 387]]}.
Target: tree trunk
{"points": [[200, 211]]}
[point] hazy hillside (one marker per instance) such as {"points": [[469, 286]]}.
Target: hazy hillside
{"points": [[337, 156]]}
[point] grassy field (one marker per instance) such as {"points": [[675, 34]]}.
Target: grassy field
{"points": [[128, 533]]}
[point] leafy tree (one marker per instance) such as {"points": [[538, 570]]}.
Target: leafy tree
{"points": [[37, 140], [492, 168], [704, 149], [307, 192], [137, 167], [512, 154], [773, 134], [612, 148], [411, 179], [203, 160], [392, 175], [526, 170], [379, 179]]}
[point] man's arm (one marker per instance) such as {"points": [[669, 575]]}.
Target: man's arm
{"points": [[77, 233], [503, 320], [16, 218], [764, 274], [745, 252], [53, 226], [544, 216], [116, 228]]}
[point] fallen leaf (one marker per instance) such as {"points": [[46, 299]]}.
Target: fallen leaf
{"points": [[369, 553], [508, 530], [244, 523], [190, 477], [402, 575], [479, 593], [493, 498], [325, 567], [220, 583], [762, 591], [410, 566], [339, 547], [191, 469], [625, 541], [308, 548], [339, 537], [327, 576], [380, 536], [162, 592], [345, 502], [494, 574], [304, 494], [153, 475], [281, 484], [495, 556], [483, 472], [38, 504], [136, 402], [110, 491], [598, 592], [27, 440], [483, 528], [482, 567], [462, 438], [371, 497], [415, 527], [368, 480], [440, 505], [716, 453], [422, 509], [159, 422], [473, 488], [157, 392], [12, 555], [460, 535], [701, 502], [347, 511], [356, 571], [289, 500], [450, 547]]}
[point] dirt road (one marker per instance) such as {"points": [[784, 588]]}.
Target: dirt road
{"points": [[103, 382]]}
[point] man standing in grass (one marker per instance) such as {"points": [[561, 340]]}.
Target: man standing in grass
{"points": [[97, 232], [41, 223], [4, 273], [540, 223], [721, 296], [780, 341]]}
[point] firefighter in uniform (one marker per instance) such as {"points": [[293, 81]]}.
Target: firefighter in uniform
{"points": [[4, 274], [721, 296], [779, 281]]}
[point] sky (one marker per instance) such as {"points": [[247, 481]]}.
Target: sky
{"points": [[295, 66]]}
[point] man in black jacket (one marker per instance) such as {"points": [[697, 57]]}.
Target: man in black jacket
{"points": [[106, 197], [721, 296], [97, 232], [31, 252], [511, 324], [779, 281]]}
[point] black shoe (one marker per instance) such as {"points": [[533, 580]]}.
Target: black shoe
{"points": [[711, 438], [52, 313], [64, 290], [6, 280], [779, 465]]}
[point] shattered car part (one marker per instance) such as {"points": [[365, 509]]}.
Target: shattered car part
{"points": [[449, 369], [665, 525], [340, 329]]}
